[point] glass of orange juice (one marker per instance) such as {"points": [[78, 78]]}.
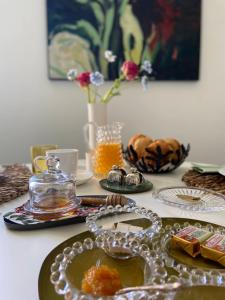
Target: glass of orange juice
{"points": [[108, 150]]}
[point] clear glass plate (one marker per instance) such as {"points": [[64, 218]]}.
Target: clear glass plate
{"points": [[100, 222], [144, 268], [193, 270], [191, 198]]}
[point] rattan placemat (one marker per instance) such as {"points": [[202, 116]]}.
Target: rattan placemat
{"points": [[215, 182], [14, 181]]}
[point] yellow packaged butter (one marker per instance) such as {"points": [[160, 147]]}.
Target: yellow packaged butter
{"points": [[190, 238], [214, 248]]}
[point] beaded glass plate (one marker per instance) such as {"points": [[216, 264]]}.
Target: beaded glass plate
{"points": [[142, 269], [191, 198], [117, 214], [196, 270]]}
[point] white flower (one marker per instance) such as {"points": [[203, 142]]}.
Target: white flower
{"points": [[96, 78], [147, 66], [145, 83], [109, 56], [72, 74]]}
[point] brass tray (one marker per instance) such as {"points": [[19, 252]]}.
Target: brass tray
{"points": [[46, 289]]}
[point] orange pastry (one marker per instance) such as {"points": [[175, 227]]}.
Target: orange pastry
{"points": [[154, 149], [139, 143], [101, 281], [176, 148]]}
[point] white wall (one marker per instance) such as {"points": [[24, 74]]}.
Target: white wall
{"points": [[35, 110]]}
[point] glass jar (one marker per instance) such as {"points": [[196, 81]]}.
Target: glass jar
{"points": [[108, 149], [52, 192]]}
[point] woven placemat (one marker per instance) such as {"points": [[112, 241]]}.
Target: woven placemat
{"points": [[14, 182], [215, 182]]}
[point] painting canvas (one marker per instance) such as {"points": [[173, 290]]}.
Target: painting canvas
{"points": [[166, 32]]}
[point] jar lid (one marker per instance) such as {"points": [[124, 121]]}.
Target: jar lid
{"points": [[53, 174]]}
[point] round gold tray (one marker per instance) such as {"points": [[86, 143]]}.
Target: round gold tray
{"points": [[46, 289]]}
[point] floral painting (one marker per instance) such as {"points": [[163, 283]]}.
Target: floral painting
{"points": [[165, 32]]}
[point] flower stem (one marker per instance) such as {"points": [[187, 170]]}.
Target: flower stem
{"points": [[113, 90], [89, 94]]}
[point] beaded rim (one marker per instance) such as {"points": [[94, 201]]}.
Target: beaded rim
{"points": [[189, 275], [156, 222], [156, 274], [154, 254]]}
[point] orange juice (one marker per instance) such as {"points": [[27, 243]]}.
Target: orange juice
{"points": [[107, 155]]}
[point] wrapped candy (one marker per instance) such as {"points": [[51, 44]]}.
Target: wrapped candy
{"points": [[214, 248], [134, 177], [116, 175], [190, 239]]}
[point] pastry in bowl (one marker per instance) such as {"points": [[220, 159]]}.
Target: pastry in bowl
{"points": [[158, 153], [139, 142], [155, 156], [176, 147]]}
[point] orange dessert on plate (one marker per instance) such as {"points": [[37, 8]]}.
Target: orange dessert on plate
{"points": [[101, 281]]}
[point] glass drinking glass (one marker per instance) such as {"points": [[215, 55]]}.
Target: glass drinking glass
{"points": [[108, 149], [40, 150]]}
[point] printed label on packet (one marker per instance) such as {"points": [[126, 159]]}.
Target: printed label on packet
{"points": [[192, 233], [217, 242], [185, 231], [190, 239]]}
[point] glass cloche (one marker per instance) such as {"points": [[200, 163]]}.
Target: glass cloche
{"points": [[53, 191]]}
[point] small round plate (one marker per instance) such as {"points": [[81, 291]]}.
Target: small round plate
{"points": [[222, 170], [126, 189], [191, 198], [83, 176]]}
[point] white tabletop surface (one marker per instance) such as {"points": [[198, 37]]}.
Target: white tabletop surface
{"points": [[23, 252]]}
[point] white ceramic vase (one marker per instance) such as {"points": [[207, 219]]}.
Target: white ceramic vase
{"points": [[97, 116]]}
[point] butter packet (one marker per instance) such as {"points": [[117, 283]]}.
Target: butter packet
{"points": [[189, 239], [214, 248]]}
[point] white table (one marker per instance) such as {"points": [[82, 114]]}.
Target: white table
{"points": [[22, 252]]}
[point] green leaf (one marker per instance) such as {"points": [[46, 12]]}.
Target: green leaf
{"points": [[90, 30], [123, 7], [132, 35], [55, 70], [109, 18], [97, 10], [81, 1], [81, 28]]}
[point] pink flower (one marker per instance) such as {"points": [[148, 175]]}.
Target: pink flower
{"points": [[84, 79], [130, 70]]}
